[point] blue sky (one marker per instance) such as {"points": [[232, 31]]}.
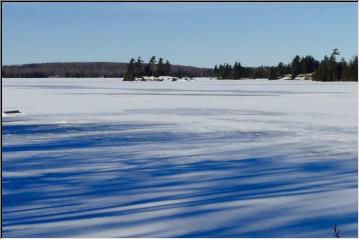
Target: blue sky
{"points": [[198, 34]]}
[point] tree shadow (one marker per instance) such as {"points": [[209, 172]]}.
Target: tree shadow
{"points": [[66, 180]]}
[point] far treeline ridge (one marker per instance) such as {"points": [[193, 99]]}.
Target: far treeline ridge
{"points": [[91, 70], [328, 69]]}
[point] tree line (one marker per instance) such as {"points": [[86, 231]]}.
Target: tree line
{"points": [[332, 70], [329, 69], [89, 70], [159, 67], [137, 69]]}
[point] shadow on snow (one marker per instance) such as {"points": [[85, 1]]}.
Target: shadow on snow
{"points": [[165, 183]]}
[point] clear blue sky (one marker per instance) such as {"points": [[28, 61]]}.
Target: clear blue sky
{"points": [[198, 34]]}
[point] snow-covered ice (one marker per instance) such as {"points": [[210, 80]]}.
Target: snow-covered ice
{"points": [[206, 158]]}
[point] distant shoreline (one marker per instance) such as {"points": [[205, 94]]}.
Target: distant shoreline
{"points": [[88, 70]]}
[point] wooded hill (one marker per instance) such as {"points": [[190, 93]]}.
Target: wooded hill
{"points": [[89, 69]]}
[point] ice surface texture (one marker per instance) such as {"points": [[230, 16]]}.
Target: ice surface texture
{"points": [[106, 158]]}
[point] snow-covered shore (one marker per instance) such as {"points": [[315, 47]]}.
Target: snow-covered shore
{"points": [[207, 158]]}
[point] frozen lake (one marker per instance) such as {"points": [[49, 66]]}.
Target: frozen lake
{"points": [[206, 158]]}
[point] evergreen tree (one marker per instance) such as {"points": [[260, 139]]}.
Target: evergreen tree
{"points": [[335, 73], [295, 67], [160, 68], [227, 71], [138, 68], [353, 69], [334, 54], [150, 69], [330, 70], [273, 74], [221, 71], [344, 70], [237, 71], [167, 68], [130, 73], [281, 70], [308, 64], [216, 71]]}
